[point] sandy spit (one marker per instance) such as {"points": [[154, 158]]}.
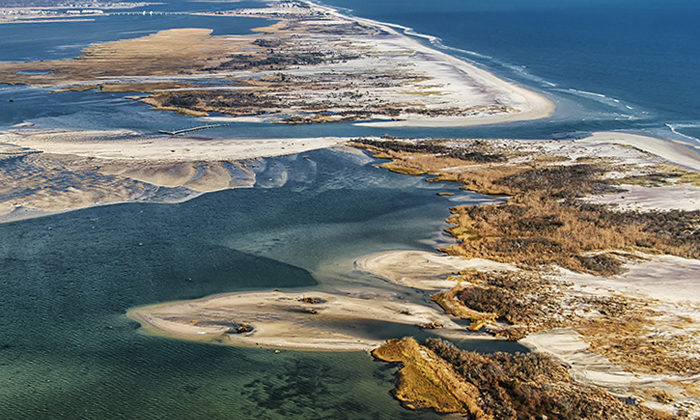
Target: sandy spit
{"points": [[682, 155], [452, 72], [172, 148], [422, 270], [284, 319]]}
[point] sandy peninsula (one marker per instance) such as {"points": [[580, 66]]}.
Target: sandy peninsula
{"points": [[314, 66], [49, 171], [451, 73]]}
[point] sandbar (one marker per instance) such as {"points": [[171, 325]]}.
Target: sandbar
{"points": [[131, 146], [323, 321], [422, 270], [44, 172]]}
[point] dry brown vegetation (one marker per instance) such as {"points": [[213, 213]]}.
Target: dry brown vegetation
{"points": [[295, 71], [633, 342], [663, 174], [497, 386], [179, 53], [536, 229], [513, 304], [542, 223], [427, 381], [525, 300], [163, 53], [449, 303]]}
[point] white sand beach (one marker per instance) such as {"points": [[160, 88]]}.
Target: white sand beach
{"points": [[126, 145], [680, 154]]}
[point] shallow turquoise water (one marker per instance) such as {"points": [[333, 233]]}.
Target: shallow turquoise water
{"points": [[66, 281]]}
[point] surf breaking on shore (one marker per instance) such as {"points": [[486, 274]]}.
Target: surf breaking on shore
{"points": [[313, 65]]}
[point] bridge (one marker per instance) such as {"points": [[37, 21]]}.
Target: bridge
{"points": [[187, 130], [147, 13]]}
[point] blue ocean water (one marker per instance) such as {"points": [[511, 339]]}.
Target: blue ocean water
{"points": [[608, 64]]}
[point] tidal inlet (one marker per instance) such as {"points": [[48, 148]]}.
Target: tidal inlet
{"points": [[297, 209]]}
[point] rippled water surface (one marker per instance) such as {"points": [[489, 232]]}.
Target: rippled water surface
{"points": [[66, 281], [68, 351]]}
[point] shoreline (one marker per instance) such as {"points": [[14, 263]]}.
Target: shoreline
{"points": [[669, 150], [410, 82], [540, 107]]}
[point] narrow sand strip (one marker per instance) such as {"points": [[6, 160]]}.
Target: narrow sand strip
{"points": [[668, 150], [174, 148]]}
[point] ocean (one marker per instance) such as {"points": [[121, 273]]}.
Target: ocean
{"points": [[624, 66], [68, 351], [609, 65]]}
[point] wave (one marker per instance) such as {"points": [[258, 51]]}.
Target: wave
{"points": [[675, 127], [468, 55], [522, 72], [69, 46], [437, 42], [615, 103], [587, 93]]}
